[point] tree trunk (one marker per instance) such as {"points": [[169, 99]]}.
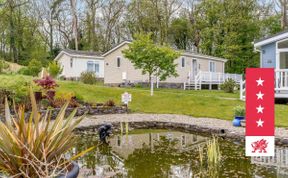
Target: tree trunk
{"points": [[284, 8], [13, 50], [75, 23], [51, 35], [151, 85]]}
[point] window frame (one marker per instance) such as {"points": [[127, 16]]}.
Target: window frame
{"points": [[118, 61], [93, 67], [71, 62], [183, 60], [97, 64], [213, 67]]}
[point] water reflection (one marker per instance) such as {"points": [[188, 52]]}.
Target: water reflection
{"points": [[162, 153], [279, 161]]}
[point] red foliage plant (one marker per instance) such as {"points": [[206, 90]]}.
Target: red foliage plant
{"points": [[47, 83]]}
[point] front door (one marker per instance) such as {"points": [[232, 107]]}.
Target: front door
{"points": [[194, 68]]}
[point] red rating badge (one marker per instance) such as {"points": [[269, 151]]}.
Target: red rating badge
{"points": [[259, 112]]}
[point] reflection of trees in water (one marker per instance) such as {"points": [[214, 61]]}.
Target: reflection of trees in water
{"points": [[234, 162], [155, 161], [101, 155], [164, 158]]}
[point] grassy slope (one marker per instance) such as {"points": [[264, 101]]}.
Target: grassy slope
{"points": [[195, 103]]}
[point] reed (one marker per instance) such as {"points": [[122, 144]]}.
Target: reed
{"points": [[213, 152]]}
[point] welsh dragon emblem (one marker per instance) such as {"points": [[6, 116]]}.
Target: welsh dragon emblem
{"points": [[260, 146]]}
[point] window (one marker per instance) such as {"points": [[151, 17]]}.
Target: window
{"points": [[183, 62], [71, 62], [96, 67], [93, 67], [90, 66], [118, 61], [212, 66]]}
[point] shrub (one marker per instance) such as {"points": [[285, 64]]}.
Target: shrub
{"points": [[24, 71], [46, 83], [6, 93], [36, 148], [239, 111], [88, 78], [34, 67], [109, 103], [3, 66], [19, 86], [228, 86], [54, 69]]}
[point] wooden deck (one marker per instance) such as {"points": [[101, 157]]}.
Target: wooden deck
{"points": [[209, 78]]}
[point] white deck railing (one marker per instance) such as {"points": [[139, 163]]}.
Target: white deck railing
{"points": [[242, 89], [216, 77], [281, 79], [281, 82]]}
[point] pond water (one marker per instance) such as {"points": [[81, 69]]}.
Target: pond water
{"points": [[166, 153]]}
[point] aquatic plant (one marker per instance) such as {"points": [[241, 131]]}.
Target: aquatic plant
{"points": [[213, 157], [213, 151], [201, 155], [35, 146]]}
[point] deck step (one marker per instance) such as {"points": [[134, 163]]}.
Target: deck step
{"points": [[192, 86]]}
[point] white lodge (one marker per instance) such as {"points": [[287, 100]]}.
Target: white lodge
{"points": [[75, 62], [194, 70]]}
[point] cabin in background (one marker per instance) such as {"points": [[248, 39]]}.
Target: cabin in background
{"points": [[75, 62], [194, 70]]}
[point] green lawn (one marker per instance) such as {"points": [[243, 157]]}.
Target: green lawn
{"points": [[204, 103]]}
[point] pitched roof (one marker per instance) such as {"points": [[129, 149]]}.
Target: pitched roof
{"points": [[194, 54], [116, 47], [185, 53], [82, 53], [271, 39]]}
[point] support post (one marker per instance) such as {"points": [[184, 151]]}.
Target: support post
{"points": [[241, 90]]}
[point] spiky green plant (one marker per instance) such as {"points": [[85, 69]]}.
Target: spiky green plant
{"points": [[213, 157], [35, 147], [213, 151]]}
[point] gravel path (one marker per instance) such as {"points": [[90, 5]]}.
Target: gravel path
{"points": [[204, 123]]}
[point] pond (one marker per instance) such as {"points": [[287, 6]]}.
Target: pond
{"points": [[168, 153]]}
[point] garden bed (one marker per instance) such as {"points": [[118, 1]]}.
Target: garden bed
{"points": [[87, 109]]}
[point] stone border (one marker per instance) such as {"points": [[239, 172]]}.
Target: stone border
{"points": [[208, 126]]}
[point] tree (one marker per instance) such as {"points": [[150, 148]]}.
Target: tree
{"points": [[228, 30], [180, 33], [112, 11], [91, 37], [283, 4], [54, 69], [34, 67], [152, 59], [74, 22]]}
